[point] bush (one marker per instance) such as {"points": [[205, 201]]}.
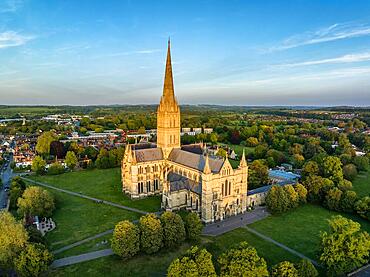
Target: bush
{"points": [[193, 227], [333, 198], [362, 207], [348, 200], [38, 165], [284, 269], [277, 200], [302, 193], [361, 162], [36, 201], [306, 269], [151, 233], [55, 169], [349, 172], [126, 239], [173, 229]]}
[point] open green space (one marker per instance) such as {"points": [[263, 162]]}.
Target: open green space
{"points": [[77, 218], [300, 229], [361, 185], [100, 183]]}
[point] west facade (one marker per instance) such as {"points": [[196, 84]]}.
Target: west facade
{"points": [[186, 176]]}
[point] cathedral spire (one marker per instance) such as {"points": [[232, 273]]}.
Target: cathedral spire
{"points": [[207, 168], [168, 89], [243, 162]]}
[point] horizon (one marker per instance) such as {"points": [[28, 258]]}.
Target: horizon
{"points": [[90, 53]]}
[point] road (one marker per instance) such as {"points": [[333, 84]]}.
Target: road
{"points": [[6, 176]]}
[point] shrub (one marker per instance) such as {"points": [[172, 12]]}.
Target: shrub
{"points": [[349, 172], [193, 227], [151, 233], [126, 239], [306, 269], [173, 229], [55, 169], [284, 269]]}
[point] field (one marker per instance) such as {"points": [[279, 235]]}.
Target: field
{"points": [[362, 184], [78, 218], [100, 183]]}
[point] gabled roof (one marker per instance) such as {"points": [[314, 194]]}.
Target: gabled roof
{"points": [[148, 154], [195, 161], [178, 182]]}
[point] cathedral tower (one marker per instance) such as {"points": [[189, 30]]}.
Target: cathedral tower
{"points": [[168, 113]]}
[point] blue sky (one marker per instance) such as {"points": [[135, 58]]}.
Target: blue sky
{"points": [[230, 52]]}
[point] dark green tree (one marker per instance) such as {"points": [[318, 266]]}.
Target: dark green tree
{"points": [[126, 239], [306, 269], [193, 227], [173, 229], [151, 233]]}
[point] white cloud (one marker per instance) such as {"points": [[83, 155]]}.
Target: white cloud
{"points": [[13, 39], [10, 6], [334, 32], [349, 58]]}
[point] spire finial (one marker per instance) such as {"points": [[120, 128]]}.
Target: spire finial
{"points": [[207, 168], [243, 162]]}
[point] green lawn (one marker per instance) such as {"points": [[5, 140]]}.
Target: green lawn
{"points": [[300, 229], [77, 218], [100, 183], [361, 185]]}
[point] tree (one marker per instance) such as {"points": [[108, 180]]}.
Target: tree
{"points": [[292, 195], [298, 160], [43, 142], [277, 200], [221, 153], [332, 168], [361, 162], [173, 229], [33, 260], [310, 168], [284, 269], [196, 262], [302, 193], [57, 149], [13, 238], [306, 269], [362, 207], [38, 165], [333, 199], [193, 227], [317, 187], [17, 187], [151, 233], [36, 201], [348, 200], [350, 171], [252, 142], [71, 160], [242, 260], [55, 169], [258, 174], [345, 247], [126, 239], [102, 161]]}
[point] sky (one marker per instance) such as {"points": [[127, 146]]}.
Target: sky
{"points": [[88, 52]]}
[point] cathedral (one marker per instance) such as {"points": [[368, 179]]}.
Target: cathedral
{"points": [[185, 176]]}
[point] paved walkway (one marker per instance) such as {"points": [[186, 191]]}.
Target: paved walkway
{"points": [[280, 245], [82, 258], [85, 196], [233, 222]]}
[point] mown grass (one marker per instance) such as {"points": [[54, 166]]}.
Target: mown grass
{"points": [[361, 185], [100, 183]]}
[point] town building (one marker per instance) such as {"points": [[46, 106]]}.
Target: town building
{"points": [[186, 176]]}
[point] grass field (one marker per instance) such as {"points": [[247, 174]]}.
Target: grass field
{"points": [[300, 229], [100, 183], [78, 218], [361, 185]]}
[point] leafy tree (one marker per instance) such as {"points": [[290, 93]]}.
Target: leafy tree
{"points": [[221, 153], [36, 201], [306, 269], [126, 239], [193, 227], [57, 149], [242, 260], [38, 165], [310, 168], [35, 235], [332, 169], [13, 238], [292, 195], [252, 142], [33, 260], [173, 229], [55, 169], [362, 207], [71, 160], [258, 174], [345, 247], [43, 142], [17, 187], [196, 262], [348, 200], [151, 233], [345, 185], [345, 159], [317, 187], [284, 269], [362, 163], [350, 171], [302, 193], [298, 160], [102, 161], [333, 199], [277, 200]]}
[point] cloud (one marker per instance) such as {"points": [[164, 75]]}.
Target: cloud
{"points": [[13, 39], [349, 58], [128, 53], [333, 32], [11, 6]]}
